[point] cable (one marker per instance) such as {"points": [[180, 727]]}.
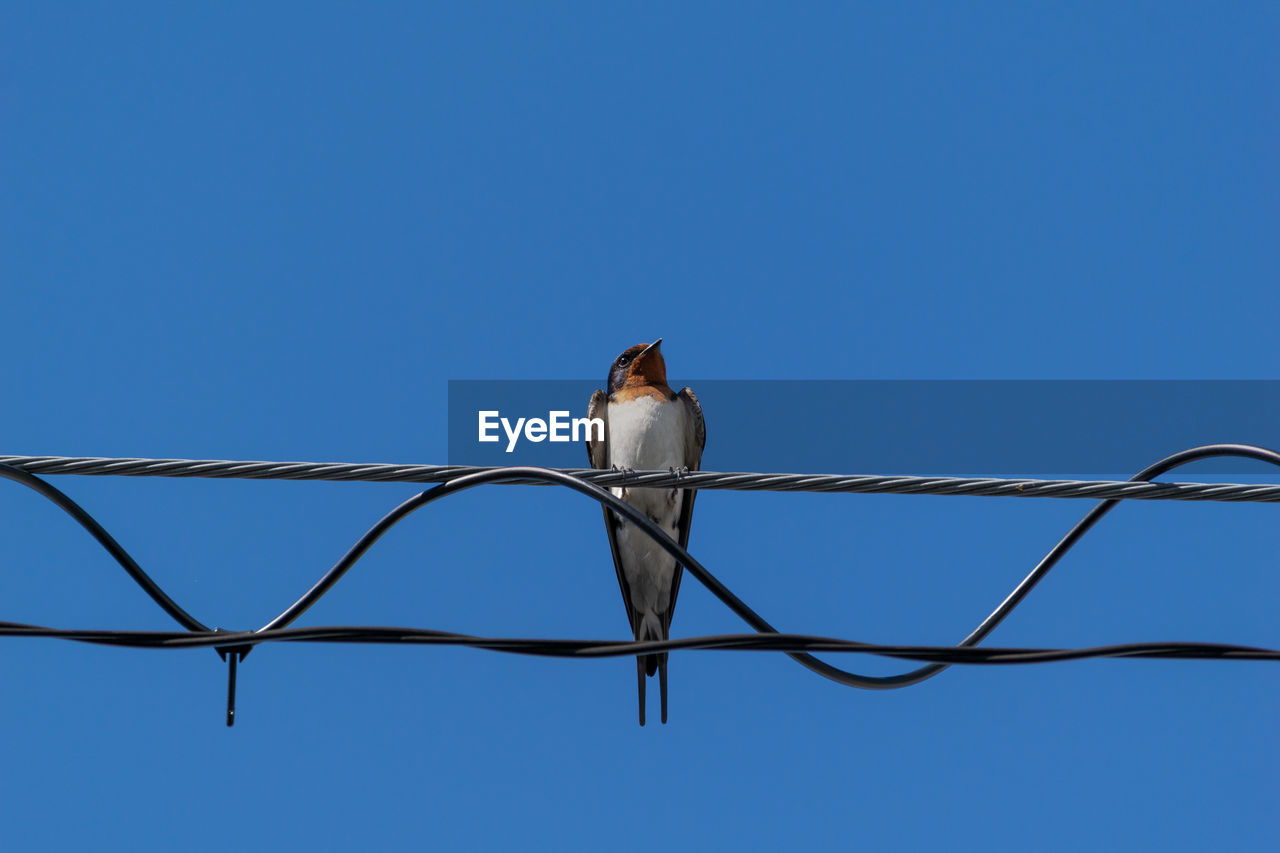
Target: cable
{"points": [[704, 576], [844, 483], [238, 644], [625, 648]]}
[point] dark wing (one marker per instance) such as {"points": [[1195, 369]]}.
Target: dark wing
{"points": [[696, 439], [598, 450], [697, 429], [598, 456]]}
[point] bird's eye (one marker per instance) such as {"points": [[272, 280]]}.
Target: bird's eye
{"points": [[623, 360]]}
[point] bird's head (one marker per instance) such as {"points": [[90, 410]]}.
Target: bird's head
{"points": [[641, 364]]}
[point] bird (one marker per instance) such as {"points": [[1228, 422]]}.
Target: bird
{"points": [[647, 426]]}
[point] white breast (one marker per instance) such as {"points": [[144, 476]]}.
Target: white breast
{"points": [[647, 434]]}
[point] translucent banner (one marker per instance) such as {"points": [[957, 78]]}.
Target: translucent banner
{"points": [[1063, 428]]}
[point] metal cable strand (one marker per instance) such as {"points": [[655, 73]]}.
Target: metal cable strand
{"points": [[741, 481]]}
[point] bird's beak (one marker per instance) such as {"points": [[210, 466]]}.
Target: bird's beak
{"points": [[653, 345]]}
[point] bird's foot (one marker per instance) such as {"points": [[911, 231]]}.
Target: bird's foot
{"points": [[680, 472], [625, 472]]}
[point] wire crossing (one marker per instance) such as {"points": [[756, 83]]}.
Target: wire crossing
{"points": [[233, 646]]}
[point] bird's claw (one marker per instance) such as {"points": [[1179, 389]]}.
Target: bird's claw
{"points": [[625, 472]]}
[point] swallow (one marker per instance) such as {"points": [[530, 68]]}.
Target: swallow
{"points": [[647, 426]]}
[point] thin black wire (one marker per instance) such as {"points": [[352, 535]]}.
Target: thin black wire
{"points": [[722, 592], [625, 510], [96, 530], [1073, 536], [624, 648]]}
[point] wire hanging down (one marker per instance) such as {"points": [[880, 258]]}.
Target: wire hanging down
{"points": [[233, 646], [222, 469]]}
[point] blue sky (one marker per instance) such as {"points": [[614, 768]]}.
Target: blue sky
{"points": [[277, 232]]}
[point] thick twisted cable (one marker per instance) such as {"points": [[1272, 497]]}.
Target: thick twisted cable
{"points": [[707, 480]]}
